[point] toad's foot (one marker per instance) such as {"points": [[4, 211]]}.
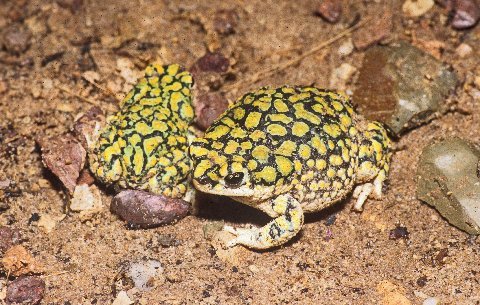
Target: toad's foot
{"points": [[275, 233], [363, 191]]}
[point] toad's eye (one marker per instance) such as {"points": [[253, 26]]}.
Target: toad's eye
{"points": [[234, 180]]}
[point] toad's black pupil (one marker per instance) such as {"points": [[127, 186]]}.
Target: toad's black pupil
{"points": [[234, 180]]}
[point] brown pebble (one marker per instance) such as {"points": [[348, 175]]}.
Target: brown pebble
{"points": [[422, 281], [141, 209], [440, 258], [208, 107], [3, 86], [8, 238], [466, 14], [25, 290], [64, 156], [330, 10], [84, 126], [72, 5], [399, 232], [211, 62], [374, 31], [16, 39], [225, 21], [85, 178]]}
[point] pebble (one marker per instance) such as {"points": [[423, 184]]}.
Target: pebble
{"points": [[399, 232], [431, 301], [225, 21], [402, 86], [25, 290], [138, 275], [19, 261], [73, 5], [48, 223], [346, 48], [86, 198], [463, 50], [211, 228], [16, 39], [208, 107], [466, 14], [417, 8], [8, 238], [85, 178], [330, 10], [341, 76], [447, 180], [374, 31], [3, 86], [122, 299], [392, 294], [141, 209], [211, 62], [64, 156]]}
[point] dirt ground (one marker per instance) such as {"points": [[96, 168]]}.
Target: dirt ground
{"points": [[352, 261]]}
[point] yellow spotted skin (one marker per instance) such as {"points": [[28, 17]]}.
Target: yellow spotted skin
{"points": [[286, 151], [145, 145]]}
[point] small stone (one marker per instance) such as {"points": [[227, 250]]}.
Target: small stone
{"points": [[466, 14], [168, 240], [208, 107], [422, 281], [392, 294], [463, 50], [91, 76], [8, 238], [25, 290], [374, 31], [85, 178], [399, 232], [48, 222], [416, 8], [145, 210], [346, 48], [211, 62], [64, 156], [122, 299], [16, 39], [19, 261], [73, 5], [330, 10], [86, 199], [341, 76], [254, 269], [142, 275], [127, 70], [431, 301], [225, 21], [402, 86], [87, 127], [447, 180], [210, 228]]}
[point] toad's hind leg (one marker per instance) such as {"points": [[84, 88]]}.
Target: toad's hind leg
{"points": [[276, 232]]}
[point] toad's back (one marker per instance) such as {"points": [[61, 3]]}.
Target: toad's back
{"points": [[301, 140]]}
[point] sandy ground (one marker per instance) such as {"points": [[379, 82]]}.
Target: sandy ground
{"points": [[352, 261]]}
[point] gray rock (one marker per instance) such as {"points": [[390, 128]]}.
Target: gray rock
{"points": [[447, 179], [402, 86]]}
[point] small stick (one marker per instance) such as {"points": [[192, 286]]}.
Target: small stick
{"points": [[109, 107], [291, 62]]}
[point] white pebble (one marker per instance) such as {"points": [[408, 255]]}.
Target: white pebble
{"points": [[346, 48], [431, 301], [416, 8], [464, 50]]}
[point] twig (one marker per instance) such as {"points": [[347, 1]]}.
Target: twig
{"points": [[283, 65], [109, 107]]}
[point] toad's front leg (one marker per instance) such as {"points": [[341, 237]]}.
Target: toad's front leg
{"points": [[276, 232]]}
